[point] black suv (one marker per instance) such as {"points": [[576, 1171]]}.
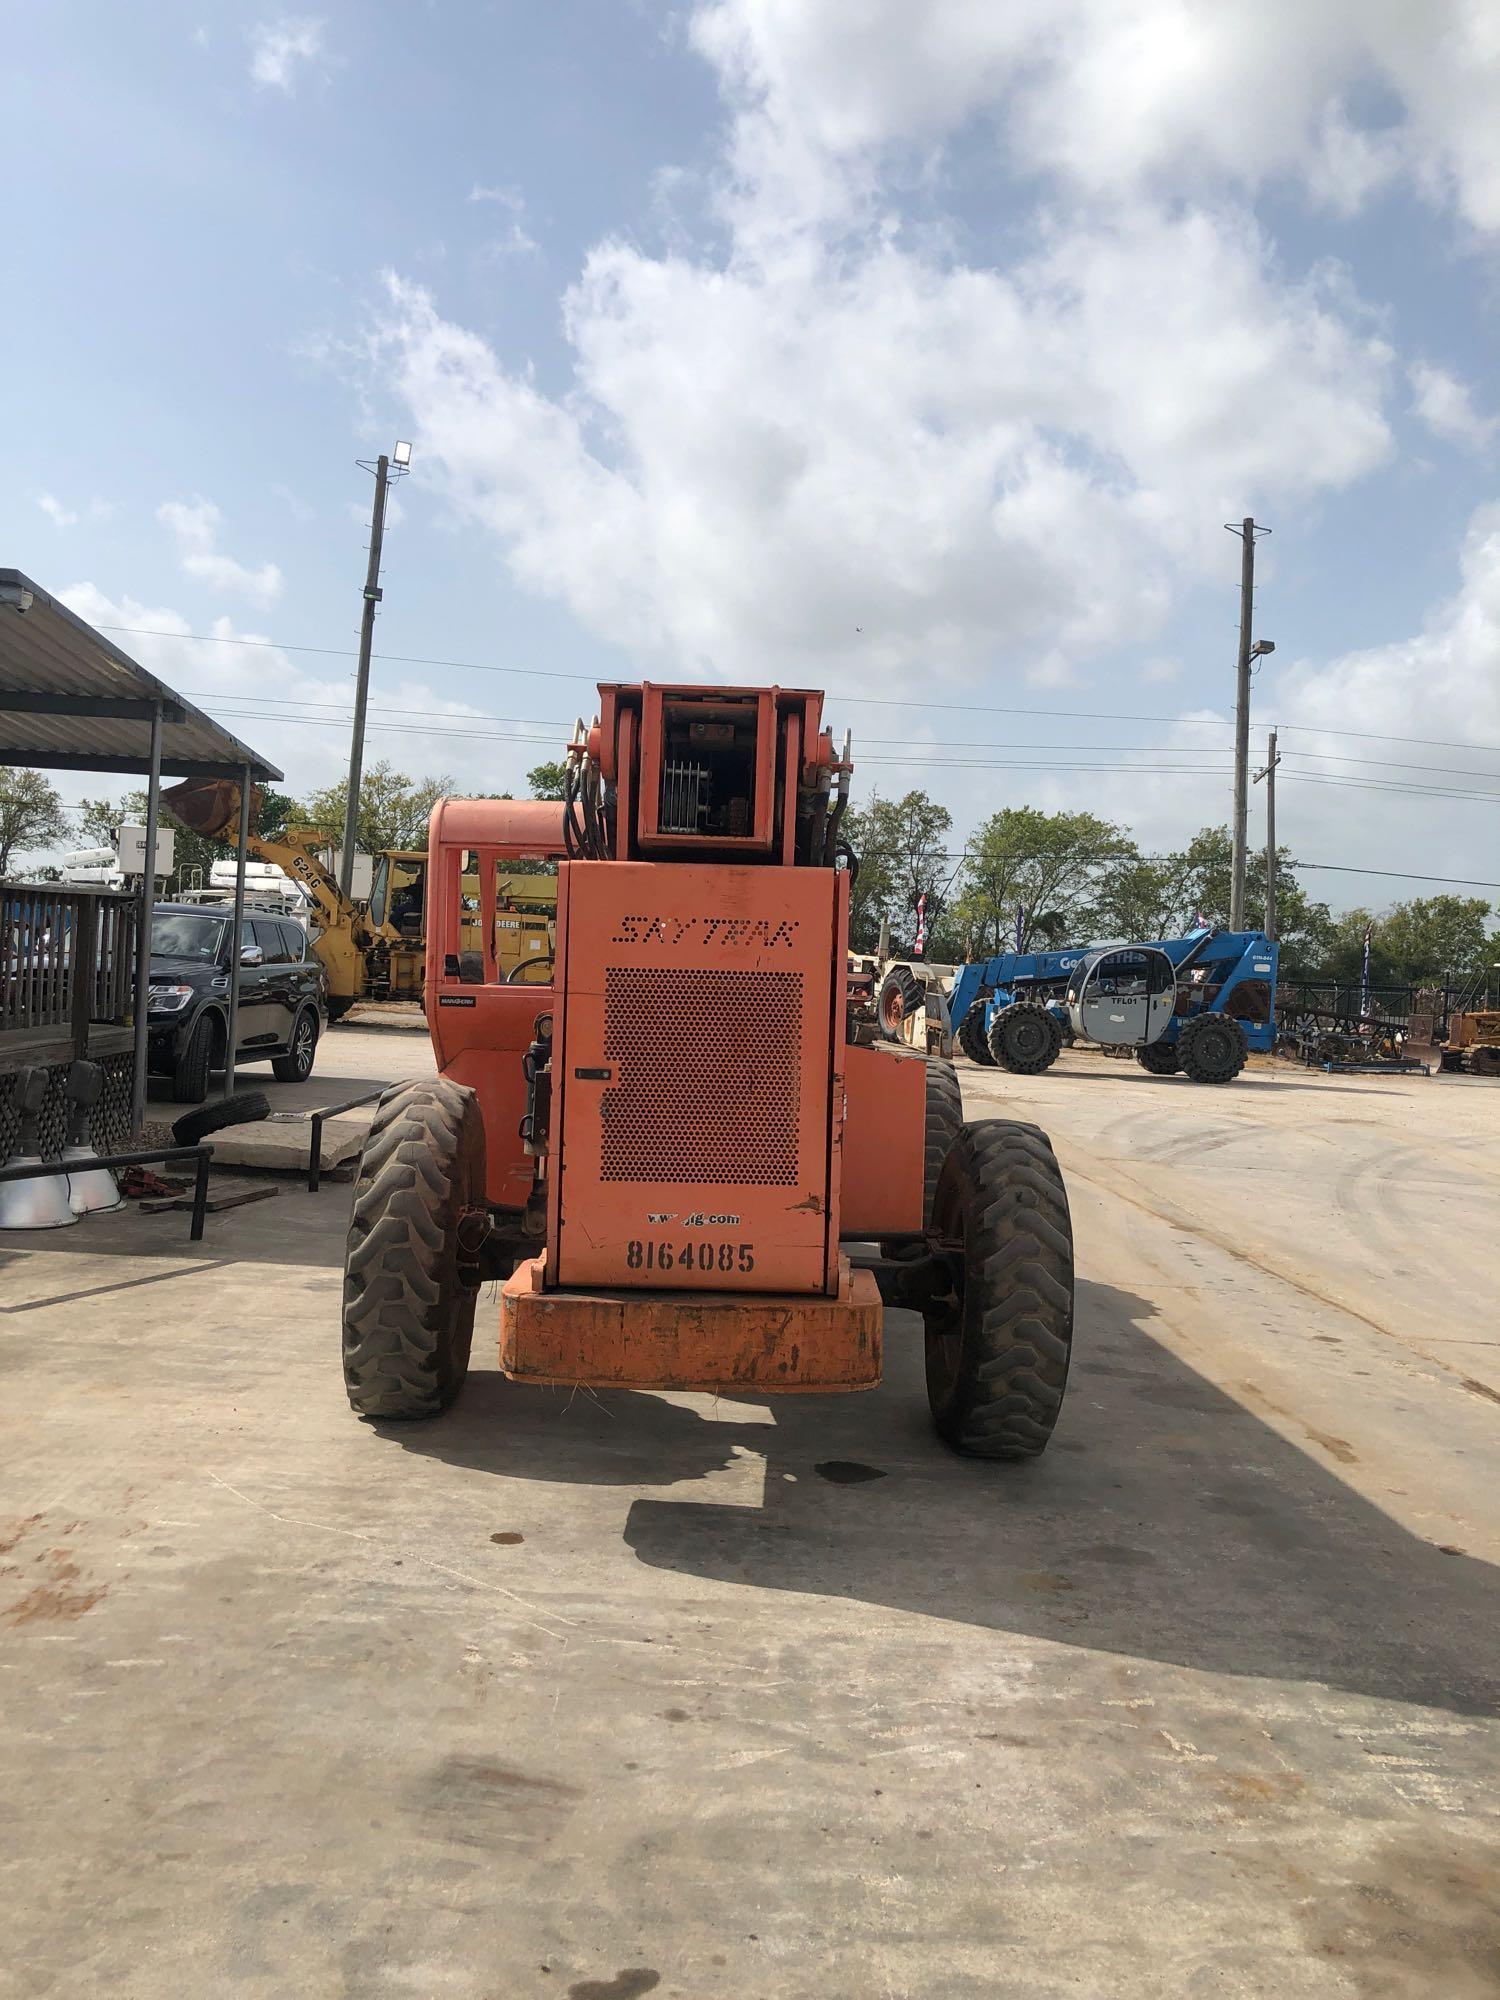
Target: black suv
{"points": [[283, 996]]}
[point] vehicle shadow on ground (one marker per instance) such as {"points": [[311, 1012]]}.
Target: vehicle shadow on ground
{"points": [[1167, 1521]]}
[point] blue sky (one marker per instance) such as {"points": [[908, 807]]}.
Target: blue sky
{"points": [[918, 357]]}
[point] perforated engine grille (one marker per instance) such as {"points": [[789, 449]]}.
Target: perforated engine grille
{"points": [[710, 1077]]}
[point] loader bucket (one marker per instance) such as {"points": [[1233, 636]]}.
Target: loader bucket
{"points": [[210, 806]]}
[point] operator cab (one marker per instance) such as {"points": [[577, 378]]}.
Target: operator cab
{"points": [[1123, 997]]}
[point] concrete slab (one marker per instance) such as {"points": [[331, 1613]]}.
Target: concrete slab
{"points": [[589, 1696], [351, 1061]]}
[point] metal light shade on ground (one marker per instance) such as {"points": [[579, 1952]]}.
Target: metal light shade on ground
{"points": [[41, 1203], [91, 1188]]}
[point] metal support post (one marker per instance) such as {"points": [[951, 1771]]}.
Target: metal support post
{"points": [[1272, 760], [235, 946], [143, 940]]}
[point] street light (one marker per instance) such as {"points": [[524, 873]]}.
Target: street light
{"points": [[1257, 651], [401, 455]]}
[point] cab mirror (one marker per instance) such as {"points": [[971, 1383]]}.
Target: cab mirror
{"points": [[251, 954]]}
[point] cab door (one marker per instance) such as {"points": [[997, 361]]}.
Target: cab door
{"points": [[1114, 1003]]}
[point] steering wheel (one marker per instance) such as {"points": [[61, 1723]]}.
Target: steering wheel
{"points": [[517, 976]]}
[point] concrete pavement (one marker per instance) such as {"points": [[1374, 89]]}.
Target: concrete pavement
{"points": [[602, 1696]]}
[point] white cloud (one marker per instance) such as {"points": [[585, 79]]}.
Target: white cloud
{"points": [[1164, 96], [195, 524], [1446, 406], [516, 239], [279, 48], [62, 516], [759, 456], [299, 720]]}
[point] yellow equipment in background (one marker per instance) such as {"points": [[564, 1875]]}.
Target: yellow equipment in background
{"points": [[375, 951]]}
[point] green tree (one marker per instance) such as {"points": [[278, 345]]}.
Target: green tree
{"points": [[902, 846], [1304, 927], [394, 808], [1052, 865], [1413, 943], [31, 813], [95, 820], [547, 780]]}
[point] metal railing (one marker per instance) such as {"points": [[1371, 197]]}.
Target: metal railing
{"points": [[147, 1156]]}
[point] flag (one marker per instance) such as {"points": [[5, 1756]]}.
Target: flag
{"points": [[921, 925], [1020, 924], [1364, 978]]}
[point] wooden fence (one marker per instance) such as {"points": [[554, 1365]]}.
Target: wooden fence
{"points": [[67, 960]]}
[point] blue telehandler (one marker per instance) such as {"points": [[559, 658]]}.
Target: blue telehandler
{"points": [[1195, 1004]]}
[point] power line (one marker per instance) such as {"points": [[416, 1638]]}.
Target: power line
{"points": [[539, 723], [835, 694], [1394, 875]]}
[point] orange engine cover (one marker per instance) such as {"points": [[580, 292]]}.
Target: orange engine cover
{"points": [[693, 1081]]}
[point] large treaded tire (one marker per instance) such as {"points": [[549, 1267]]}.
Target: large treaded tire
{"points": [[408, 1315], [1213, 1048], [997, 1359], [945, 1117], [900, 992], [1025, 1038], [1159, 1058], [971, 1037]]}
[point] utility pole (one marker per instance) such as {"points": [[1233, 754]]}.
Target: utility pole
{"points": [[1269, 774], [385, 478], [1247, 532]]}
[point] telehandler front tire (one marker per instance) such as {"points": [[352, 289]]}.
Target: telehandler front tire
{"points": [[1213, 1048], [998, 1351], [408, 1310], [1025, 1038]]}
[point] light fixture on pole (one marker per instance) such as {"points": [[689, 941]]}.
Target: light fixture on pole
{"points": [[387, 471]]}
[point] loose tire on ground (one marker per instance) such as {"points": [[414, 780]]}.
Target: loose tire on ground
{"points": [[900, 992], [408, 1315], [1025, 1038], [245, 1107], [296, 1066], [190, 1075], [997, 1356], [1159, 1058], [1212, 1048], [971, 1037]]}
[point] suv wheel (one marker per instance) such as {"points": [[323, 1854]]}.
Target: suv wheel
{"points": [[190, 1073], [296, 1065]]}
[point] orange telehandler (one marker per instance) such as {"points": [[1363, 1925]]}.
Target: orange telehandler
{"points": [[688, 1164]]}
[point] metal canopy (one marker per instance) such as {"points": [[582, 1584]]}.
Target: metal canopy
{"points": [[71, 701]]}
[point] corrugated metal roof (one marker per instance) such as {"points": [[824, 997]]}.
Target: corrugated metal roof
{"points": [[49, 653]]}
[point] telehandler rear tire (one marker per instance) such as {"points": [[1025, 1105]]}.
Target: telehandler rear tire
{"points": [[408, 1312], [971, 1037], [1212, 1048], [998, 1351], [1025, 1038], [1159, 1058]]}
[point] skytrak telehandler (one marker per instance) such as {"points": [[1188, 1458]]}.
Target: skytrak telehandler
{"points": [[685, 1171]]}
